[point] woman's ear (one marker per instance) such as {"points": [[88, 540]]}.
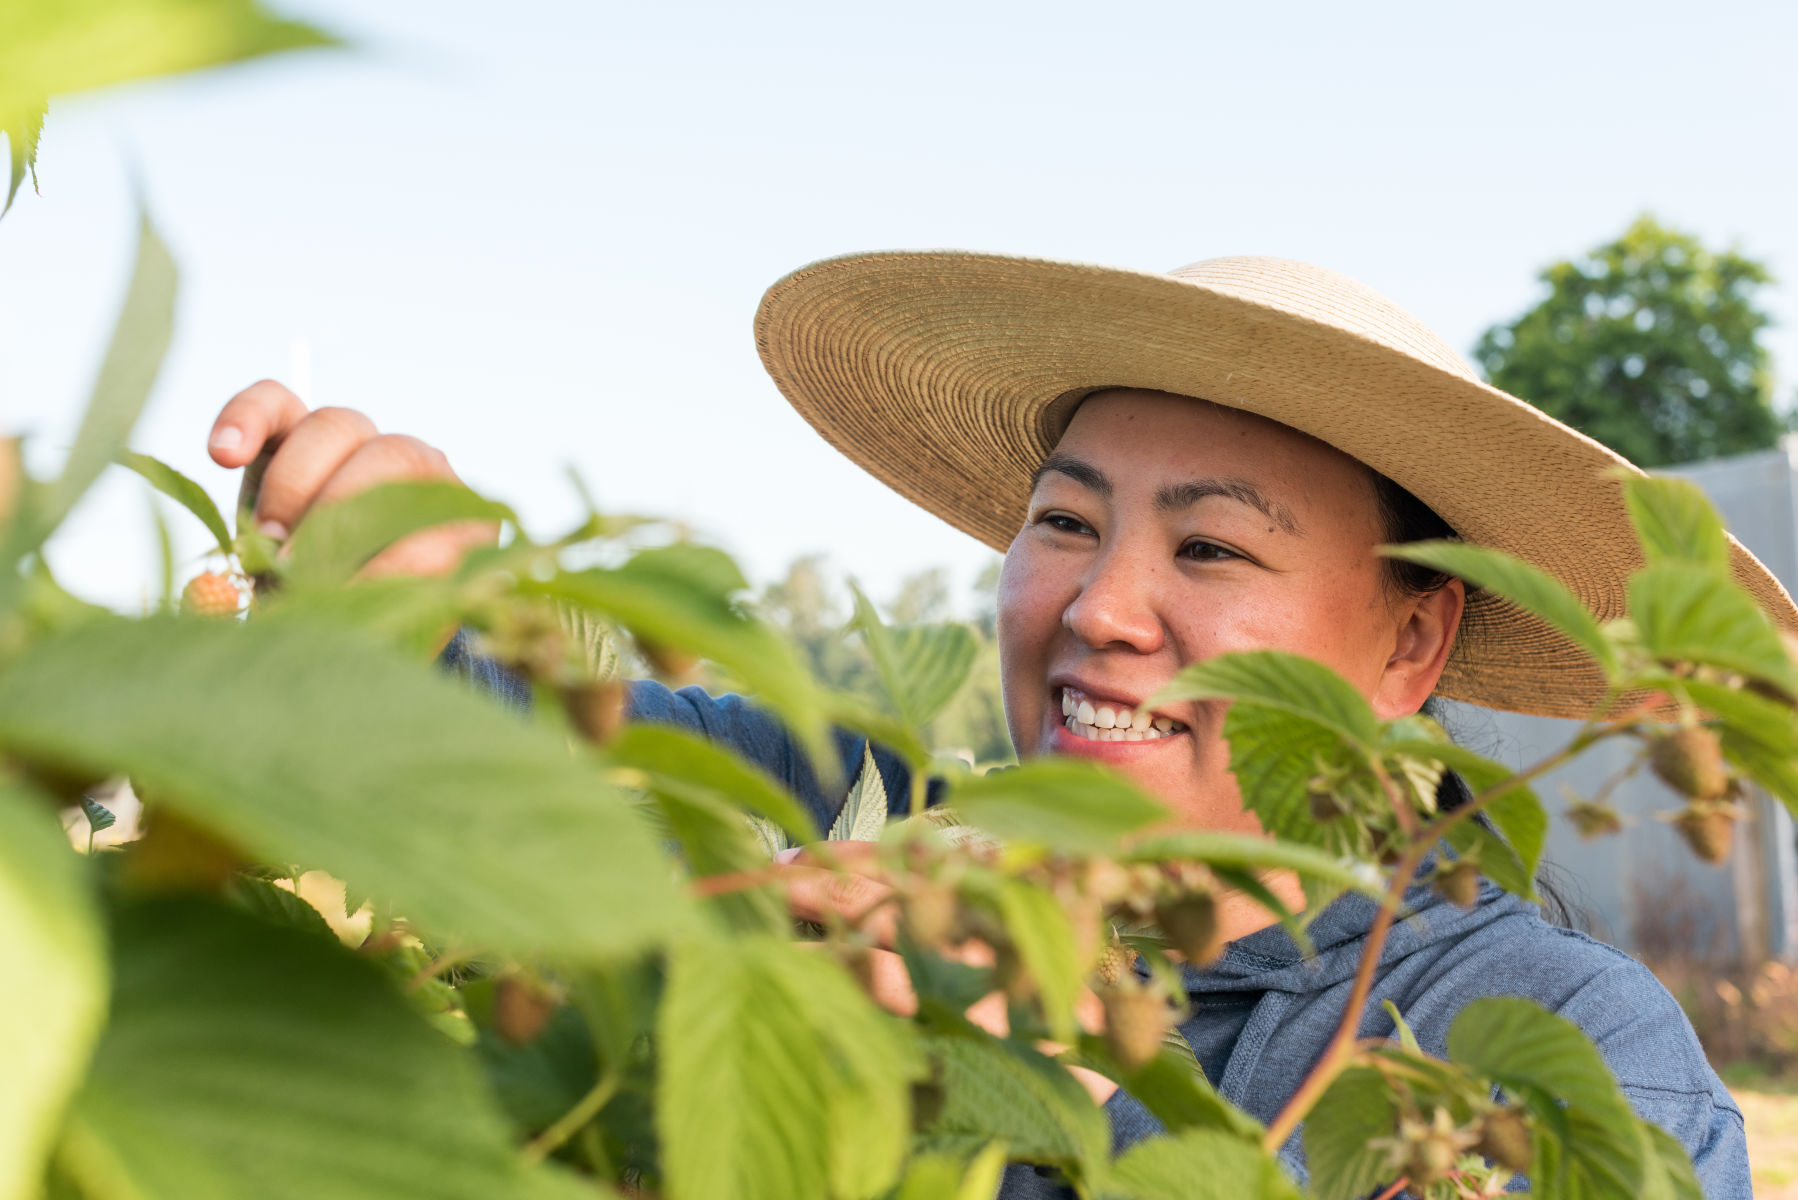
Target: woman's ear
{"points": [[1426, 633]]}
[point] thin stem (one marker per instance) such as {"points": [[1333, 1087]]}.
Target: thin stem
{"points": [[1401, 804], [572, 1121], [1399, 1185], [436, 967], [707, 886], [1341, 1049]]}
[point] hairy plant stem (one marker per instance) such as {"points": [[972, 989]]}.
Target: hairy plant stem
{"points": [[1342, 1050], [576, 1118]]}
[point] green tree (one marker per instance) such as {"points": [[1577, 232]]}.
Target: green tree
{"points": [[1650, 344]]}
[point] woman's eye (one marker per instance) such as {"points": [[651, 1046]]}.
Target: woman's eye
{"points": [[1063, 523], [1206, 552]]}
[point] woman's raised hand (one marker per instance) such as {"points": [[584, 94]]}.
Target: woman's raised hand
{"points": [[329, 454]]}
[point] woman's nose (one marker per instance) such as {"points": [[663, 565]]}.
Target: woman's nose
{"points": [[1116, 606]]}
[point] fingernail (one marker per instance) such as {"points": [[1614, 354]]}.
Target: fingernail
{"points": [[788, 855], [227, 437], [274, 529]]}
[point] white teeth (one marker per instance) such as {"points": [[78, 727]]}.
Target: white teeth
{"points": [[1112, 723]]}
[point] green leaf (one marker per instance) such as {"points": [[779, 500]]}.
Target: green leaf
{"points": [[243, 1059], [55, 49], [1774, 770], [675, 754], [1685, 614], [1519, 1044], [716, 840], [1406, 1038], [414, 615], [1044, 940], [165, 558], [1249, 852], [1058, 803], [683, 595], [22, 129], [278, 906], [1677, 1180], [1528, 587], [183, 491], [539, 1081], [950, 1177], [304, 744], [1676, 522], [1589, 1142], [1275, 755], [779, 1078], [865, 808], [921, 667], [1201, 1164], [1757, 718], [945, 987], [998, 1089], [1174, 1088], [133, 358], [1509, 861], [98, 815], [1488, 852], [52, 983], [335, 540], [1340, 1132], [1278, 680]]}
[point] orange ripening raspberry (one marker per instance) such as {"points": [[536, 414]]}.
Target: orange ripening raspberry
{"points": [[211, 595]]}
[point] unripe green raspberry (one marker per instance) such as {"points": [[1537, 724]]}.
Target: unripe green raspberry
{"points": [[1690, 760], [211, 594], [1459, 881], [1136, 1020], [1709, 827], [1191, 925], [1505, 1139]]}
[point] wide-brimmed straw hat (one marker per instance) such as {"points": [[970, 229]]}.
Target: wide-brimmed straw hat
{"points": [[949, 376]]}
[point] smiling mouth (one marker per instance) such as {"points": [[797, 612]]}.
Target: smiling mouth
{"points": [[1107, 721]]}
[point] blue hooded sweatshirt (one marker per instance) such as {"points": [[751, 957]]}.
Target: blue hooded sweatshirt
{"points": [[1262, 1013]]}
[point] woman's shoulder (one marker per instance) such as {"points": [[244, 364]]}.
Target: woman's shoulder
{"points": [[1507, 949], [1616, 1001]]}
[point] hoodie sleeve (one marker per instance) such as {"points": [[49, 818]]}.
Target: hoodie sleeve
{"points": [[1654, 1053]]}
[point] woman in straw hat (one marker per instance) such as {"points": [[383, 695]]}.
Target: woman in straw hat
{"points": [[1176, 466]]}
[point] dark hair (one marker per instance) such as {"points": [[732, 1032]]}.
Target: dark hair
{"points": [[1405, 518]]}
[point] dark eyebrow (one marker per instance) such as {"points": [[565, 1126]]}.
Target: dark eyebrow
{"points": [[1176, 496], [1077, 469]]}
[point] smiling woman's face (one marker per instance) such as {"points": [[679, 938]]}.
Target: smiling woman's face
{"points": [[1163, 531]]}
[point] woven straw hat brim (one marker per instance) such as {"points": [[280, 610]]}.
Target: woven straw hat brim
{"points": [[949, 376]]}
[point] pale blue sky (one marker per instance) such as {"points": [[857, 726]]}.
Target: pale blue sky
{"points": [[540, 238]]}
